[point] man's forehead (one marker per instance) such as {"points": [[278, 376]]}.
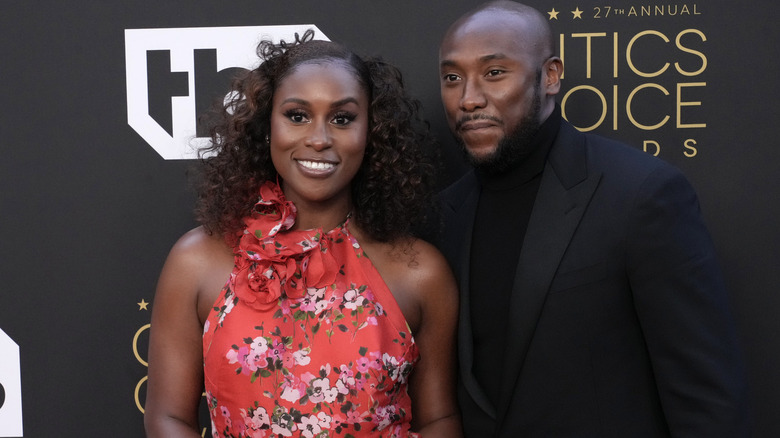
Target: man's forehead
{"points": [[490, 19], [487, 25], [490, 33], [484, 45]]}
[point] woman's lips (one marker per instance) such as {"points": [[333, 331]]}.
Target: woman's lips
{"points": [[316, 168]]}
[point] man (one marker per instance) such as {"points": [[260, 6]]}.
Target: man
{"points": [[591, 300]]}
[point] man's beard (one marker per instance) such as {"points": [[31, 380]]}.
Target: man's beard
{"points": [[513, 148]]}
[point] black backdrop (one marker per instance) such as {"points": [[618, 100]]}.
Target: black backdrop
{"points": [[89, 209]]}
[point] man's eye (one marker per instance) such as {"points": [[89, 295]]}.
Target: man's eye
{"points": [[494, 72], [451, 78]]}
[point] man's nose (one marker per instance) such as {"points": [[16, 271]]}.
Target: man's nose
{"points": [[473, 96]]}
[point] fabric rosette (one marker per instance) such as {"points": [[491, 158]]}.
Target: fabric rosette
{"points": [[272, 261]]}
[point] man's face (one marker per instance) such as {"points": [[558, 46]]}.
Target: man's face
{"points": [[490, 87]]}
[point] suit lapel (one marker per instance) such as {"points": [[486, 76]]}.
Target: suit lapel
{"points": [[464, 206], [564, 193]]}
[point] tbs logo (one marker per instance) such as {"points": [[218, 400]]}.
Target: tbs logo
{"points": [[173, 75], [10, 388]]}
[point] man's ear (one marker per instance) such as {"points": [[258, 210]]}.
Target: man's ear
{"points": [[553, 70]]}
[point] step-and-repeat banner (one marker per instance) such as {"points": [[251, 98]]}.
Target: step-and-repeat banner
{"points": [[99, 127]]}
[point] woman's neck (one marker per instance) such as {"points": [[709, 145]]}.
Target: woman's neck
{"points": [[327, 215]]}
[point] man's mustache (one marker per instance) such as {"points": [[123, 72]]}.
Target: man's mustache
{"points": [[470, 117]]}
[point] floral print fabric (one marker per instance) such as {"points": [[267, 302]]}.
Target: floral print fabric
{"points": [[306, 339]]}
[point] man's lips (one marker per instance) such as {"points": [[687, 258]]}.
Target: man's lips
{"points": [[479, 124], [474, 122]]}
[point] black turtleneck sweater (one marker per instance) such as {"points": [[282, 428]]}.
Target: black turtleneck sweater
{"points": [[501, 221]]}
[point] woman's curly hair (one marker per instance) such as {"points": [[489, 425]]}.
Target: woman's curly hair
{"points": [[392, 191]]}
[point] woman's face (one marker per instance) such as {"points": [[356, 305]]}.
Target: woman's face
{"points": [[319, 126]]}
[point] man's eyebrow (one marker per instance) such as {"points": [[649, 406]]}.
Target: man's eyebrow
{"points": [[492, 57], [482, 59], [447, 63]]}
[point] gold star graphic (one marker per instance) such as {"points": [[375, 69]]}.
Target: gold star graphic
{"points": [[577, 13], [553, 14], [143, 305]]}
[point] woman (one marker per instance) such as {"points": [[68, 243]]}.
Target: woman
{"points": [[334, 320]]}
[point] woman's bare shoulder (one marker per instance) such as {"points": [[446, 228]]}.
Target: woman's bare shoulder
{"points": [[415, 272], [199, 239], [427, 269], [410, 263], [198, 248], [196, 269]]}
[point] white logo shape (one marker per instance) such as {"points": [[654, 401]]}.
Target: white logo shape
{"points": [[10, 388], [176, 50]]}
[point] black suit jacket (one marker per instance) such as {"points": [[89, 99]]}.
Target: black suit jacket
{"points": [[619, 321]]}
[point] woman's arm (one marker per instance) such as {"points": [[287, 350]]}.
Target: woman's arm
{"points": [[175, 382], [432, 383]]}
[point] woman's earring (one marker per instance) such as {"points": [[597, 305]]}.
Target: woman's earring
{"points": [[267, 140]]}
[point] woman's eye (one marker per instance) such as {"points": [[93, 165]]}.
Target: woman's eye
{"points": [[343, 118], [296, 116]]}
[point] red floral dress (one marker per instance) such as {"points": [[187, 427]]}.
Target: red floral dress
{"points": [[306, 339]]}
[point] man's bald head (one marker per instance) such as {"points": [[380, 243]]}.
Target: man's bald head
{"points": [[531, 25]]}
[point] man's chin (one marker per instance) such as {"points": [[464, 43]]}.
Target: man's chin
{"points": [[483, 160], [488, 159], [480, 153]]}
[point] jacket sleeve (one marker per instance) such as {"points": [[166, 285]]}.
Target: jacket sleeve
{"points": [[683, 308]]}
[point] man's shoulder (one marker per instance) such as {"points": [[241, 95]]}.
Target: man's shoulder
{"points": [[596, 144], [626, 169], [609, 155], [620, 166]]}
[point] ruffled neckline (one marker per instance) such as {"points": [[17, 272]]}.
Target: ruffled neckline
{"points": [[273, 262]]}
